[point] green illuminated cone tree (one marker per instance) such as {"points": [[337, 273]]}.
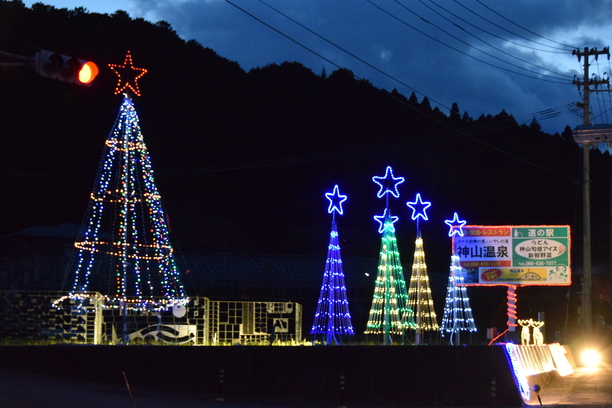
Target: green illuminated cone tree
{"points": [[389, 314]]}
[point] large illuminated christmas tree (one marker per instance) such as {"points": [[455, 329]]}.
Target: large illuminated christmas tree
{"points": [[124, 250], [332, 318], [419, 292], [389, 314], [457, 312]]}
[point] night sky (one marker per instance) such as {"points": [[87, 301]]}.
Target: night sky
{"points": [[484, 55]]}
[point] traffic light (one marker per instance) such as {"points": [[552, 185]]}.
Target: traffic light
{"points": [[64, 68]]}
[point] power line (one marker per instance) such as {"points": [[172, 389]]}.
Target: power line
{"points": [[349, 53], [380, 148], [331, 62], [602, 101], [462, 52], [511, 32], [478, 49], [20, 39], [283, 34], [495, 35], [454, 131], [529, 31], [512, 42], [542, 115]]}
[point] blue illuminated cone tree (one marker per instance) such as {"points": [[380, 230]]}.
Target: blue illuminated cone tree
{"points": [[332, 318], [419, 292], [389, 314], [457, 311], [124, 250]]}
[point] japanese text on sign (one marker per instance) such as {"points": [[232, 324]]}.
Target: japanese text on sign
{"points": [[519, 255]]}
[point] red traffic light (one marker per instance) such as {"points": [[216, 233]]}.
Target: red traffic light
{"points": [[64, 68]]}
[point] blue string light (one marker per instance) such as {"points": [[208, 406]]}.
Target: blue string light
{"points": [[456, 226], [332, 318], [388, 183], [335, 201], [418, 207], [386, 221]]}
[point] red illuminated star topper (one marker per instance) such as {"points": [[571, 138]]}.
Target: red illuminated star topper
{"points": [[127, 75]]}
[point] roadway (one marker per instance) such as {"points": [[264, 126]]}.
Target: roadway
{"points": [[587, 387]]}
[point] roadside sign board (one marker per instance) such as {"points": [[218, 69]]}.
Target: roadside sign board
{"points": [[514, 255]]}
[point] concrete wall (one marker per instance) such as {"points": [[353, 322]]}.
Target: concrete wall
{"points": [[411, 375]]}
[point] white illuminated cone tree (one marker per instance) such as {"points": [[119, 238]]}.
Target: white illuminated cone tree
{"points": [[457, 311]]}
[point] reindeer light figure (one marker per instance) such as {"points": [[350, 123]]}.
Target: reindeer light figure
{"points": [[525, 334], [538, 337]]}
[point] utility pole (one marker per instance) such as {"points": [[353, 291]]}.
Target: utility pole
{"points": [[586, 83]]}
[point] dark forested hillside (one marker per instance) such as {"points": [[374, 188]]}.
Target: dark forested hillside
{"points": [[243, 159]]}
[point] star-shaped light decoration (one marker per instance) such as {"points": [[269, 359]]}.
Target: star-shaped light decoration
{"points": [[335, 201], [418, 207], [455, 225], [128, 75], [382, 220], [385, 183]]}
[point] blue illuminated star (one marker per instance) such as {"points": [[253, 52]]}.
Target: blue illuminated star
{"points": [[335, 201], [386, 181], [455, 225], [418, 207], [384, 219]]}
